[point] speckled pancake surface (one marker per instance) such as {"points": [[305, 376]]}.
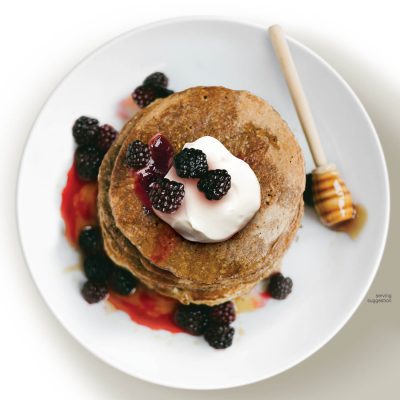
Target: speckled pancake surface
{"points": [[252, 130], [126, 255]]}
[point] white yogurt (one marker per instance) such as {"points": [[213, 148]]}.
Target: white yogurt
{"points": [[208, 221]]}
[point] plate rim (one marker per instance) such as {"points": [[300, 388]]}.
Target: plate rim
{"points": [[241, 22]]}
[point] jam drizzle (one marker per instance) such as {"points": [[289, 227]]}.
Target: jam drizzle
{"points": [[161, 153]]}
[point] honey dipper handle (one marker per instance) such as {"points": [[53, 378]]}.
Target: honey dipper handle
{"points": [[298, 96]]}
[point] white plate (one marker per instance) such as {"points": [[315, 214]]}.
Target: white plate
{"points": [[331, 272]]}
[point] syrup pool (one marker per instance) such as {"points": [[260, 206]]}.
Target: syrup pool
{"points": [[256, 299], [354, 226]]}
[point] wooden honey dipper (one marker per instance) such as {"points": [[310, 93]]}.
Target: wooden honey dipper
{"points": [[332, 199]]}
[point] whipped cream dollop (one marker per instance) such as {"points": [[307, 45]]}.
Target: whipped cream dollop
{"points": [[208, 221]]}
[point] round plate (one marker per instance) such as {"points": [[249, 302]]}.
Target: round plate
{"points": [[331, 272]]}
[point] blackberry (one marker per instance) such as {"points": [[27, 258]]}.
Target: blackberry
{"points": [[308, 194], [137, 155], [192, 318], [191, 163], [146, 94], [90, 240], [93, 292], [166, 196], [88, 159], [85, 130], [219, 336], [215, 184], [279, 287], [122, 281], [223, 314], [156, 79], [107, 135], [97, 268]]}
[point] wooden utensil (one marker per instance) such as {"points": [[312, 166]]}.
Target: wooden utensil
{"points": [[332, 199]]}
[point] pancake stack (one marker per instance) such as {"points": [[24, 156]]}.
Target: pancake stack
{"points": [[158, 256]]}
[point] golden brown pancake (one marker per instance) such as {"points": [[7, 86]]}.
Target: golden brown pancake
{"points": [[126, 255], [252, 130]]}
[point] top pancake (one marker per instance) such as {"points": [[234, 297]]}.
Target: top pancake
{"points": [[250, 129]]}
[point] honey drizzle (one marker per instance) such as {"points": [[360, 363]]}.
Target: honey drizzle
{"points": [[354, 226]]}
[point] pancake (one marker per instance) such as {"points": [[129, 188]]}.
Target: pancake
{"points": [[252, 130], [126, 255]]}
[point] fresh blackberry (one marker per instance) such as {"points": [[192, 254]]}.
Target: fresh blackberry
{"points": [[191, 163], [308, 194], [137, 155], [97, 268], [219, 336], [279, 287], [166, 196], [156, 79], [192, 318], [146, 94], [215, 184], [88, 159], [122, 281], [85, 130], [223, 314], [107, 135], [93, 292], [90, 240]]}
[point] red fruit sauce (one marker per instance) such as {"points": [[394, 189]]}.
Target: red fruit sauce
{"points": [[78, 205], [148, 308], [126, 109], [161, 153], [164, 245], [144, 306]]}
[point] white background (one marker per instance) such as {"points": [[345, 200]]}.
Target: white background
{"points": [[40, 41]]}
